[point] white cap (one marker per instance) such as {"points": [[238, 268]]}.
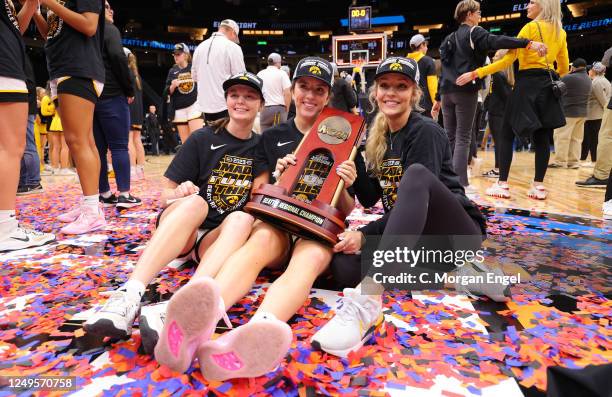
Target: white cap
{"points": [[274, 57], [231, 24], [417, 40], [126, 51]]}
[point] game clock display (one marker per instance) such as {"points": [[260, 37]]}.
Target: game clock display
{"points": [[360, 18]]}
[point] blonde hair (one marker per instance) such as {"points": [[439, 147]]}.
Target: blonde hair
{"points": [[133, 65], [509, 71], [376, 144], [551, 12], [464, 7]]}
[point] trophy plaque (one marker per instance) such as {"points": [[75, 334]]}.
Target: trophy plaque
{"points": [[304, 198]]}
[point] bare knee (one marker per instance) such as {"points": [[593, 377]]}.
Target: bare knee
{"points": [[311, 256], [239, 221]]}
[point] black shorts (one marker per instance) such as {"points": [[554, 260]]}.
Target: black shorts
{"points": [[191, 253], [13, 90], [87, 89]]}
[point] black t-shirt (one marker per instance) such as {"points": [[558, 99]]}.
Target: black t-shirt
{"points": [[420, 141], [222, 166], [186, 93], [70, 52], [280, 140], [427, 67], [12, 50], [118, 80]]}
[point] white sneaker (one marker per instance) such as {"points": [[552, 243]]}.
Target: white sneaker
{"points": [[354, 323], [18, 238], [116, 317], [537, 192], [495, 291], [499, 190], [151, 323], [66, 172], [607, 210]]}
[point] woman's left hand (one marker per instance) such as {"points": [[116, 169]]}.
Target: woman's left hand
{"points": [[465, 78], [348, 172], [350, 242]]}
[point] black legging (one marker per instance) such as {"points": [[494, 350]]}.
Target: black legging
{"points": [[609, 188], [424, 206], [495, 126], [591, 137], [540, 140]]}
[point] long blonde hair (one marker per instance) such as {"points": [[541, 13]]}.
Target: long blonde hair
{"points": [[551, 12], [376, 144], [133, 65]]}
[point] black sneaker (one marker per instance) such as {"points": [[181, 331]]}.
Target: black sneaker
{"points": [[128, 202], [593, 182], [29, 189], [491, 174], [108, 202]]}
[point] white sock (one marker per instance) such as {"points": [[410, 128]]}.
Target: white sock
{"points": [[124, 194], [134, 287], [106, 194], [91, 201]]}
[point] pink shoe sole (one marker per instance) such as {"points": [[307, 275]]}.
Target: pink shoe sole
{"points": [[251, 350], [70, 229], [191, 318]]}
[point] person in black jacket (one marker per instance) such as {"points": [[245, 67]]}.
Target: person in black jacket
{"points": [[343, 96], [152, 129], [462, 51], [495, 105], [112, 118]]}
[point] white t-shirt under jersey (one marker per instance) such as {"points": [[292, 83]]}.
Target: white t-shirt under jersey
{"points": [[214, 61], [275, 81]]}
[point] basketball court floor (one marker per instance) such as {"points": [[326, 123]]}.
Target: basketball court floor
{"points": [[431, 343]]}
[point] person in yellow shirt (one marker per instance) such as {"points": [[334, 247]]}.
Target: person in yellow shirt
{"points": [[427, 70], [532, 110]]}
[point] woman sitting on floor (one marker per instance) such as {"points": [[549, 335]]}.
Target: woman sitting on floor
{"points": [[207, 183]]}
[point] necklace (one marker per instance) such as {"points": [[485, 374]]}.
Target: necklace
{"points": [[392, 138]]}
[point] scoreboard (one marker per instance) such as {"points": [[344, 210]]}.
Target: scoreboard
{"points": [[360, 18], [360, 49]]}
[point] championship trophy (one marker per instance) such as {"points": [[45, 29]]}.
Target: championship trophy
{"points": [[303, 200]]}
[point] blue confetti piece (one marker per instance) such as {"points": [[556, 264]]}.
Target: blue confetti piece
{"points": [[474, 390]]}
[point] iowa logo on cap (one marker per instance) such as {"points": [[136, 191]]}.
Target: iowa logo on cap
{"points": [[396, 67], [315, 70], [243, 78]]}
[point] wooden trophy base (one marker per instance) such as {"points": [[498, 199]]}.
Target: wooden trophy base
{"points": [[314, 221]]}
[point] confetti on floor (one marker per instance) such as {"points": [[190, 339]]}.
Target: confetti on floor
{"points": [[431, 344]]}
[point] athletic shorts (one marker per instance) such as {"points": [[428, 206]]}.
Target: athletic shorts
{"points": [[192, 253], [87, 89], [185, 115], [13, 90]]}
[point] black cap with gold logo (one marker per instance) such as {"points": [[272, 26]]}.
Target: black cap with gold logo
{"points": [[406, 66], [315, 67], [244, 78]]}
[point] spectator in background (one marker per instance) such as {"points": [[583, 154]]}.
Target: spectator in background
{"points": [[291, 112], [598, 100], [137, 153], [214, 61], [427, 70], [112, 118], [462, 51], [183, 92], [500, 89], [568, 139], [343, 96], [277, 93], [151, 125]]}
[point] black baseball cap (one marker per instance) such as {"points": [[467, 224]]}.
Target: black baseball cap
{"points": [[244, 78], [579, 63], [315, 67], [180, 48], [406, 66]]}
